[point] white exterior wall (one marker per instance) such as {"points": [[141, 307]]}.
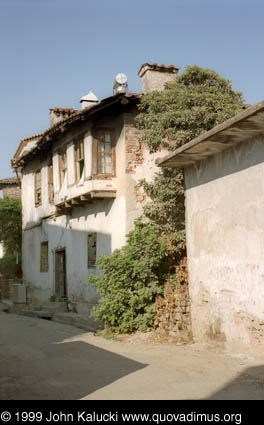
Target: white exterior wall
{"points": [[110, 218], [225, 244], [105, 218], [1, 250], [31, 215]]}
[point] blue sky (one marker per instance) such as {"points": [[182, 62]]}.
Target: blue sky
{"points": [[54, 51]]}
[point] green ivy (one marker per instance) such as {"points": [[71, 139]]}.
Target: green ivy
{"points": [[11, 224], [134, 275], [131, 279]]}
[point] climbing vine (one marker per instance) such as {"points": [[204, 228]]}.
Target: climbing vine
{"points": [[135, 275]]}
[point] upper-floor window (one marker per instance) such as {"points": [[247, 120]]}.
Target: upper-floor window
{"points": [[79, 158], [50, 184], [38, 188], [63, 164], [103, 157]]}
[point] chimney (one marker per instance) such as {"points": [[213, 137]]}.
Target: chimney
{"points": [[60, 114], [155, 76], [89, 100]]}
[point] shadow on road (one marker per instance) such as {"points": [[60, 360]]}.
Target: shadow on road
{"points": [[40, 366], [249, 385]]}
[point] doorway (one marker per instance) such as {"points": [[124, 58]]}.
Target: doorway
{"points": [[60, 274]]}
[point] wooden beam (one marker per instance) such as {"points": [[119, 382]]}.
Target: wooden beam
{"points": [[103, 194], [85, 198], [63, 211], [75, 201]]}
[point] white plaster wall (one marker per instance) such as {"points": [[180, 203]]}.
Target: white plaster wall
{"points": [[105, 217], [88, 154], [111, 219], [1, 250], [70, 164], [225, 244], [31, 214]]}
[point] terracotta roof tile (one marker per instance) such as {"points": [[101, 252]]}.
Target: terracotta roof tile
{"points": [[8, 181]]}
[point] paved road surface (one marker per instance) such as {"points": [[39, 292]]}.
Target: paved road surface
{"points": [[40, 359]]}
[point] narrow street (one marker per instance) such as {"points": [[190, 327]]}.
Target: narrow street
{"points": [[40, 359]]}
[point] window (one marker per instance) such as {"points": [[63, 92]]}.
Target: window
{"points": [[50, 184], [104, 152], [38, 188], [79, 158], [91, 249], [44, 257], [63, 164]]}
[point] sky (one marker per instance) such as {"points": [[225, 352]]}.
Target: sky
{"points": [[54, 51]]}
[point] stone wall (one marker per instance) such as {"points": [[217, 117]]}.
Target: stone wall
{"points": [[6, 288], [173, 318], [12, 191]]}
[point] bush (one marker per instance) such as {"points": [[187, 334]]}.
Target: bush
{"points": [[8, 267], [132, 278]]}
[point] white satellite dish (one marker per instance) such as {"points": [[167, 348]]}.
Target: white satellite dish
{"points": [[120, 83], [121, 78]]}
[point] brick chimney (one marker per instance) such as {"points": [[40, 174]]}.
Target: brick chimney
{"points": [[155, 76], [60, 114]]}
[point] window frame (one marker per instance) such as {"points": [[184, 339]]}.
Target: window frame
{"points": [[95, 154], [44, 263], [50, 184], [63, 165], [38, 188], [77, 160]]}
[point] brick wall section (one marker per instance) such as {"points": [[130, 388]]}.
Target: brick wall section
{"points": [[134, 152], [12, 192], [6, 288], [173, 318]]}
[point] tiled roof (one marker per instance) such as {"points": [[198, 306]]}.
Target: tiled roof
{"points": [[24, 142], [156, 67], [76, 116], [8, 181], [64, 110], [28, 139]]}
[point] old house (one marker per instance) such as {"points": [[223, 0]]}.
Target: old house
{"points": [[224, 189], [80, 189]]}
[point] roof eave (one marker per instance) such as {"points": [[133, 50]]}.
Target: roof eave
{"points": [[55, 131], [240, 128]]}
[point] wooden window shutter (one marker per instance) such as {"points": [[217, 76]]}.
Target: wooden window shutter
{"points": [[38, 188], [94, 156], [50, 184]]}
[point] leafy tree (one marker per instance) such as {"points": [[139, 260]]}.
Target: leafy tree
{"points": [[197, 101], [132, 277], [11, 224], [155, 251]]}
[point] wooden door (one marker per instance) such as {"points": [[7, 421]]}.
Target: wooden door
{"points": [[60, 275]]}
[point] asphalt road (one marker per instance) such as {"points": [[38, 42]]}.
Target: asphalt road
{"points": [[43, 360]]}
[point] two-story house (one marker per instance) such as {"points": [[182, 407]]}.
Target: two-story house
{"points": [[80, 190]]}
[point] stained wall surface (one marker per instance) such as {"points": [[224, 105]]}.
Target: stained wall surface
{"points": [[225, 244], [110, 219]]}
